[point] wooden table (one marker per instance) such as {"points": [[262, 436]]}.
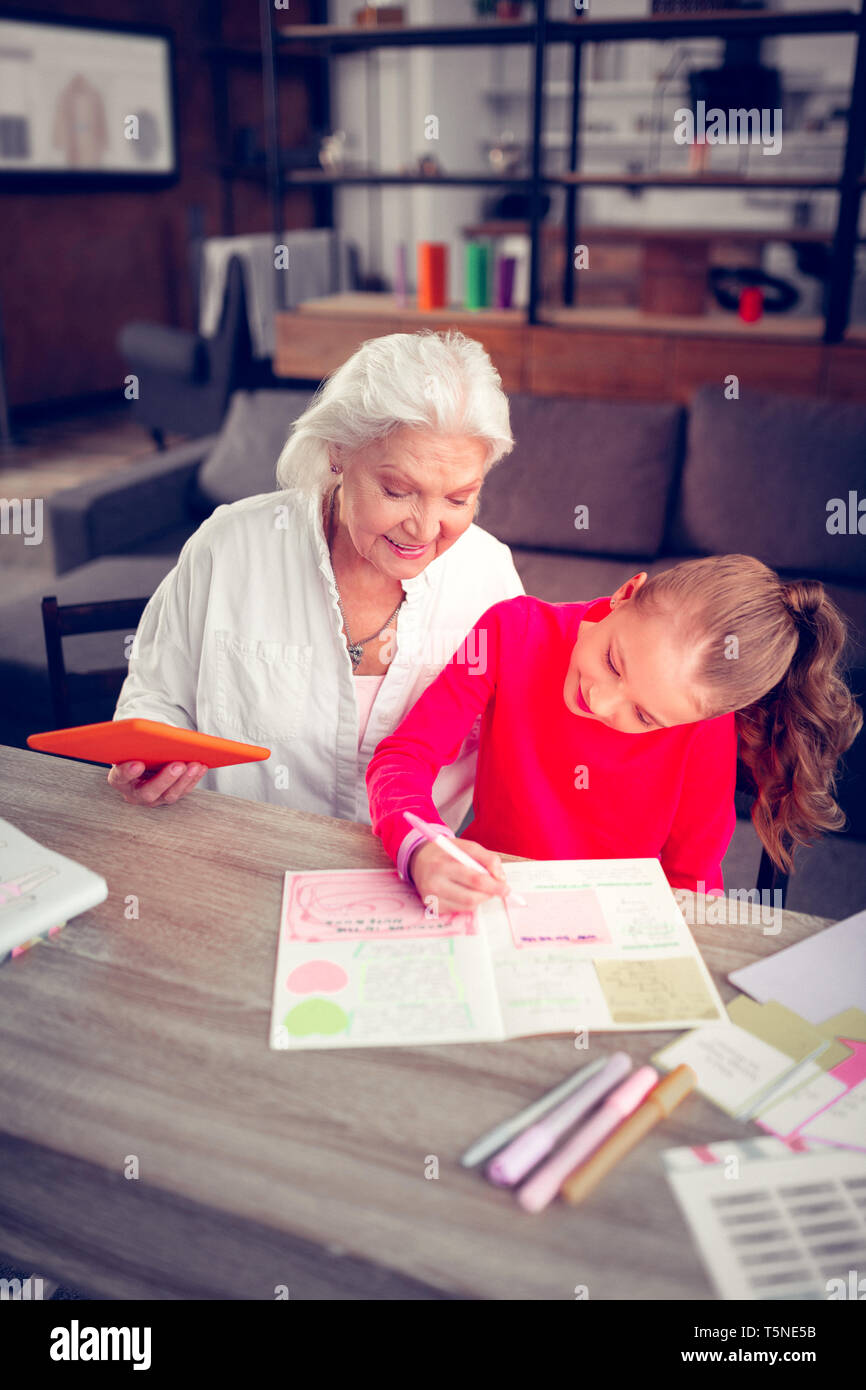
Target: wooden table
{"points": [[256, 1168]]}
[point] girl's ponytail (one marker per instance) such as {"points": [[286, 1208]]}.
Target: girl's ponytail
{"points": [[793, 737], [773, 652]]}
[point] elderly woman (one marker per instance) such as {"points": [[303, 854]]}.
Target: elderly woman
{"points": [[311, 619]]}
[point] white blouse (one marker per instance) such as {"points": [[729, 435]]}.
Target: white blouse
{"points": [[243, 639]]}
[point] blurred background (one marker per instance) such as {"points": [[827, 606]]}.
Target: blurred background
{"points": [[649, 211]]}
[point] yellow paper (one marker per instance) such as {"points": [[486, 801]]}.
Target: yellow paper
{"points": [[653, 991], [851, 1023], [781, 1027]]}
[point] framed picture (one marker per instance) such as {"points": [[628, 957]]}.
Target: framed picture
{"points": [[86, 103]]}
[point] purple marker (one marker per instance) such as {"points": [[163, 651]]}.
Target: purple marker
{"points": [[530, 1147], [505, 266]]}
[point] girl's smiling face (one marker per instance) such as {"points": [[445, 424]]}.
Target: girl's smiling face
{"points": [[630, 671]]}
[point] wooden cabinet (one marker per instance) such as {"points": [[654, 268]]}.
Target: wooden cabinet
{"points": [[600, 352]]}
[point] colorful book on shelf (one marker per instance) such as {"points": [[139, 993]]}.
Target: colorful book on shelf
{"points": [[601, 945], [40, 891]]}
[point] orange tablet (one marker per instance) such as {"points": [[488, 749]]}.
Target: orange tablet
{"points": [[145, 741]]}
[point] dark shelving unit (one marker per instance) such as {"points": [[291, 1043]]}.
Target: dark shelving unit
{"points": [[222, 57], [324, 42]]}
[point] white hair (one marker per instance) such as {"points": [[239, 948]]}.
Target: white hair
{"points": [[444, 382]]}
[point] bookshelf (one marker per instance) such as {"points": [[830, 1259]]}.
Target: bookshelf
{"points": [[331, 41]]}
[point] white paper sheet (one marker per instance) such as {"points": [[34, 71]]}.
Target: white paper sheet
{"points": [[773, 1227]]}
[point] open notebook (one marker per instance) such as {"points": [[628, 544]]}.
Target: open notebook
{"points": [[600, 945]]}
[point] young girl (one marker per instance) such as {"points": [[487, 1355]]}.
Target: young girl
{"points": [[610, 729]]}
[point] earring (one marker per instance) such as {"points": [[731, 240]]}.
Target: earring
{"points": [[335, 469]]}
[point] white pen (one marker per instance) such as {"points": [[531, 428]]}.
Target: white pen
{"points": [[445, 842], [497, 1138]]}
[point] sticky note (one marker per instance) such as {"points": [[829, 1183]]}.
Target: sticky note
{"points": [[559, 919], [780, 1027], [655, 991]]}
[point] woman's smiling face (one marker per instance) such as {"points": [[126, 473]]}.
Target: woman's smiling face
{"points": [[630, 671], [408, 497]]}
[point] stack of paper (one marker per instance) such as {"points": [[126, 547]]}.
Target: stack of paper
{"points": [[788, 1063], [773, 1224]]}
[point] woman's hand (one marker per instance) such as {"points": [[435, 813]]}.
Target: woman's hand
{"points": [[162, 787], [448, 886]]}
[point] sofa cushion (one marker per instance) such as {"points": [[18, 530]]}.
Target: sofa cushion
{"points": [[243, 461], [169, 543], [617, 459], [759, 474], [559, 578]]}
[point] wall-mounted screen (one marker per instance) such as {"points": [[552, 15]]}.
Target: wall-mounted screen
{"points": [[85, 101]]}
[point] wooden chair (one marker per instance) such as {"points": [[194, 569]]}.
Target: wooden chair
{"points": [[73, 619]]}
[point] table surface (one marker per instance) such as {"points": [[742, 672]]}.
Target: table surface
{"points": [[145, 1042]]}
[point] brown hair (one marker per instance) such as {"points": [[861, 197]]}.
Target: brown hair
{"points": [[773, 652]]}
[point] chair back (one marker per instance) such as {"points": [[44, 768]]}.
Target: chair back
{"points": [[68, 688], [771, 877], [230, 349]]}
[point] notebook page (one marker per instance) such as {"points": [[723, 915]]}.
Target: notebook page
{"points": [[601, 945], [360, 963]]}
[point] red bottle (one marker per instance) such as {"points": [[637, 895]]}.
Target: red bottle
{"points": [[751, 304]]}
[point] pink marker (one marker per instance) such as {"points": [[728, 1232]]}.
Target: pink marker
{"points": [[530, 1147], [542, 1187]]}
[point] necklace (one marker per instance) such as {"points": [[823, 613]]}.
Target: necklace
{"points": [[356, 649]]}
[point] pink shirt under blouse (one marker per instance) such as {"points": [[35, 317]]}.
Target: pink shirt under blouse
{"points": [[366, 690]]}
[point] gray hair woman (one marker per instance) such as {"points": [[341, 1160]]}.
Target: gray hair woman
{"points": [[312, 618]]}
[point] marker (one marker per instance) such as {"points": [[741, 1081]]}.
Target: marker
{"points": [[661, 1101], [498, 1137], [529, 1148], [542, 1187], [445, 842]]}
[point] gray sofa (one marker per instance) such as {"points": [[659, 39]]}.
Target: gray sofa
{"points": [[658, 483]]}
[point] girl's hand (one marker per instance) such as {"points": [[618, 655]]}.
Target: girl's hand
{"points": [[162, 787], [453, 887]]}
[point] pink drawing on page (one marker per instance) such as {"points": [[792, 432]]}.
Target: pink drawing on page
{"points": [[317, 977], [558, 919], [369, 906]]}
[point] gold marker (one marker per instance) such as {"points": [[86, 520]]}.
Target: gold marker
{"points": [[661, 1100]]}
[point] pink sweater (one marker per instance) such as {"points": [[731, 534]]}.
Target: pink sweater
{"points": [[666, 794]]}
